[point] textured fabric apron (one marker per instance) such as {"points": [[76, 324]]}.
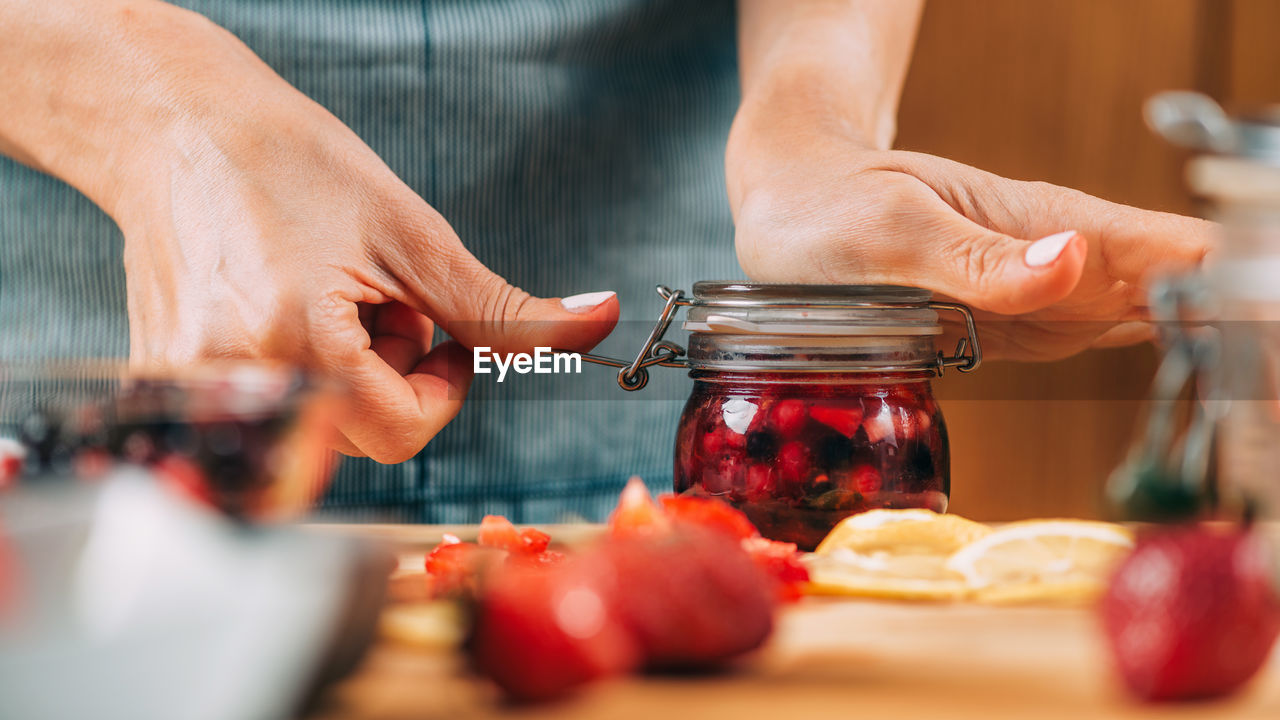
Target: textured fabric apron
{"points": [[575, 145]]}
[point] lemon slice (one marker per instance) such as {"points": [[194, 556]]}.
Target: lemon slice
{"points": [[884, 575], [902, 532], [893, 554], [1039, 560]]}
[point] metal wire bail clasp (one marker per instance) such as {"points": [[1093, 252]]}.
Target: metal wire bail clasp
{"points": [[962, 361], [634, 375]]}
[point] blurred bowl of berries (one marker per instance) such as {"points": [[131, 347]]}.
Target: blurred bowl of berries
{"points": [[250, 438]]}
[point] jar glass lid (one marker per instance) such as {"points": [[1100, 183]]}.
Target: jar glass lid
{"points": [[810, 310]]}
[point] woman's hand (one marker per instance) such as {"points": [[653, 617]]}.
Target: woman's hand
{"points": [[257, 225], [818, 197], [1052, 271]]}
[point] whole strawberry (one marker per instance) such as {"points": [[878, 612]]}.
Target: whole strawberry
{"points": [[1192, 612], [693, 598], [540, 632]]}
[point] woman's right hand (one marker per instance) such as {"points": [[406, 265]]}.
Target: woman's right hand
{"points": [[257, 225]]}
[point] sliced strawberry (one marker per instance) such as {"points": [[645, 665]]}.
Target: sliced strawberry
{"points": [[709, 513], [780, 561], [794, 462], [637, 513], [452, 567], [540, 632], [534, 541], [844, 419], [787, 417], [712, 443], [498, 532]]}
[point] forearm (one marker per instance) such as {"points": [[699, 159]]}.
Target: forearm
{"points": [[822, 66], [93, 86]]}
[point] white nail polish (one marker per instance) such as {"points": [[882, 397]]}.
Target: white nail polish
{"points": [[586, 302], [1047, 249]]}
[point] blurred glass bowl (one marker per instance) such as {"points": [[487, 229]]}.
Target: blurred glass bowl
{"points": [[251, 438]]}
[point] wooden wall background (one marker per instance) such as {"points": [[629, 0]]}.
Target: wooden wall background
{"points": [[1052, 90]]}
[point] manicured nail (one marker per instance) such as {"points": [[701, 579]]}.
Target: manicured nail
{"points": [[1047, 249], [586, 302]]}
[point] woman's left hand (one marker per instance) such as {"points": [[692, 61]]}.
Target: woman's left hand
{"points": [[1050, 271]]}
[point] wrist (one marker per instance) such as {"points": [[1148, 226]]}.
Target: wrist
{"points": [[790, 116]]}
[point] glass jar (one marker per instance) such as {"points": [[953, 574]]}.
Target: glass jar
{"points": [[810, 403], [1236, 177]]}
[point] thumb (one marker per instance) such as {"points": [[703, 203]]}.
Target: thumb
{"points": [[1002, 274]]}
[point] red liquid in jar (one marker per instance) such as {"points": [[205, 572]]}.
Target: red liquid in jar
{"points": [[798, 453]]}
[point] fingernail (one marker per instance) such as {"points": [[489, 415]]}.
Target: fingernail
{"points": [[1047, 249], [586, 302]]}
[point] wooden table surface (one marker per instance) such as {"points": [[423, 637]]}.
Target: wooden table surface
{"points": [[828, 656]]}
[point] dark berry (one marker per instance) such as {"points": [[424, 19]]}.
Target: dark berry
{"points": [[762, 446], [835, 452]]}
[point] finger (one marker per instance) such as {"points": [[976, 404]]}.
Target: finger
{"points": [[1130, 333], [389, 416], [1127, 243], [400, 335], [990, 270], [439, 278]]}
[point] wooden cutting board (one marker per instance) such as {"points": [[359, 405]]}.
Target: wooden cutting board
{"points": [[828, 658]]}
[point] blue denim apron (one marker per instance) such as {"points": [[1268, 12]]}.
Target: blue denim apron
{"points": [[575, 145]]}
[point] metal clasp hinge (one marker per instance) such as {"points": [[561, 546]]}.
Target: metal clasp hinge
{"points": [[634, 375], [961, 361]]}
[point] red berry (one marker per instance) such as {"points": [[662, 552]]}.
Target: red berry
{"points": [[498, 532], [709, 513], [780, 561], [712, 443], [693, 598], [1191, 613], [759, 483], [534, 541], [844, 419], [794, 462], [12, 457], [733, 440], [540, 632], [787, 417], [452, 566], [637, 513], [865, 479]]}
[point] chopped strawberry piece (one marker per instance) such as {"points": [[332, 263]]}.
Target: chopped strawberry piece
{"points": [[452, 566], [540, 632], [709, 513], [844, 419], [794, 462], [712, 443], [498, 532], [534, 541], [637, 513], [866, 479], [780, 561], [787, 417]]}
